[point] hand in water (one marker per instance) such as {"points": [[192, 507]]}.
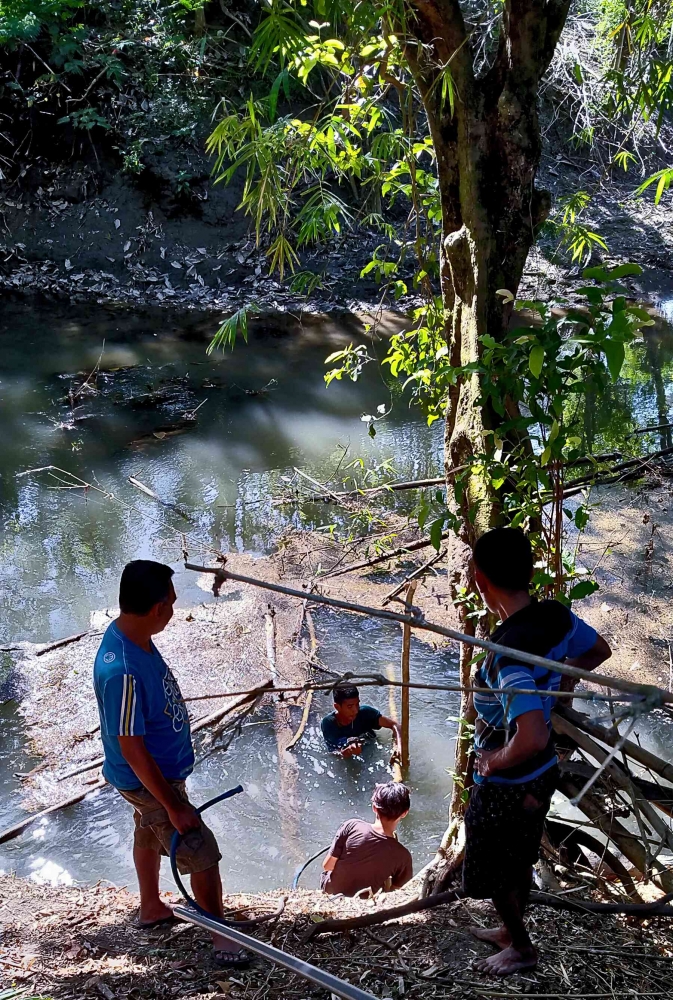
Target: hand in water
{"points": [[352, 750]]}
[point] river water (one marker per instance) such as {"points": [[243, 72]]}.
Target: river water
{"points": [[265, 410]]}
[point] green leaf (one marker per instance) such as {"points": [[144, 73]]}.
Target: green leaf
{"points": [[436, 533], [546, 455], [536, 360], [625, 271], [614, 354], [583, 589], [597, 273]]}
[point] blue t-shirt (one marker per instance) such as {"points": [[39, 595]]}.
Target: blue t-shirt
{"points": [[547, 629], [336, 736], [138, 696]]}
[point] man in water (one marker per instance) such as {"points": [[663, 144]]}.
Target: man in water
{"points": [[148, 749], [344, 728], [368, 855], [515, 769]]}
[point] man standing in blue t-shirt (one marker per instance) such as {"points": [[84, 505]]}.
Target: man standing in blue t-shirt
{"points": [[515, 769], [148, 749]]}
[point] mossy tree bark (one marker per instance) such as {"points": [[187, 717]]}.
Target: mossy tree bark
{"points": [[486, 135]]}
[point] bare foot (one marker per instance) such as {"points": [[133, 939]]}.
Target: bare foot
{"points": [[508, 961], [155, 913], [498, 936]]}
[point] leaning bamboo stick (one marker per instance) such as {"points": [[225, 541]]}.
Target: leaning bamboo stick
{"points": [[619, 777], [615, 831]]}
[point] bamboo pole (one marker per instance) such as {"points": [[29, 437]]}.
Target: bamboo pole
{"points": [[392, 710], [412, 576], [653, 695], [270, 626], [406, 649]]}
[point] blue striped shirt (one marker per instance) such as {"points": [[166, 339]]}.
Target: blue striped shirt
{"points": [[547, 629]]}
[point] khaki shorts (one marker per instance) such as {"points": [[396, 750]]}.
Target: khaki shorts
{"points": [[198, 849]]}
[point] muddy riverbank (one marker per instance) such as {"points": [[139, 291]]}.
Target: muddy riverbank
{"points": [[73, 942]]}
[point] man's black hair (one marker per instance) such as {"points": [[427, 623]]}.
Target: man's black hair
{"points": [[505, 557], [391, 800], [345, 693], [143, 584]]}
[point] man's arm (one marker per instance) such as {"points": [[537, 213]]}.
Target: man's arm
{"points": [[329, 864], [183, 816], [599, 653], [386, 723], [531, 737]]}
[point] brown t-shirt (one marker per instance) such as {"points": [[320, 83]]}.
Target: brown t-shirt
{"points": [[366, 859]]}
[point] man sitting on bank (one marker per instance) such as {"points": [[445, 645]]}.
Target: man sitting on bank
{"points": [[148, 749], [515, 767], [368, 855], [344, 728]]}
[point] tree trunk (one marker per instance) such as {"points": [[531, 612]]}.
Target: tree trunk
{"points": [[486, 136]]}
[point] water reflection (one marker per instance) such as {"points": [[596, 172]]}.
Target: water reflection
{"points": [[62, 552]]}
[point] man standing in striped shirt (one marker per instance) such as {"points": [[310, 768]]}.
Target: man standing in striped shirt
{"points": [[515, 766], [148, 748]]}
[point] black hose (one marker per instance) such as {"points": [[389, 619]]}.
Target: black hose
{"points": [[302, 868], [175, 843]]}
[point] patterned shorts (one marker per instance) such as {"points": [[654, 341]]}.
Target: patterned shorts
{"points": [[198, 849], [503, 831]]}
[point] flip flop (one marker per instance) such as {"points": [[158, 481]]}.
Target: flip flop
{"points": [[232, 959], [146, 926]]}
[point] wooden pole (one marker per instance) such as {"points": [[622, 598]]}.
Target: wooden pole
{"points": [[406, 648], [392, 709], [270, 623]]}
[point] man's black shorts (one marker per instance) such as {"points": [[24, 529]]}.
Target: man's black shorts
{"points": [[503, 832]]}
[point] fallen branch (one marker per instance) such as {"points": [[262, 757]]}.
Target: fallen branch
{"points": [[15, 831], [207, 720], [67, 641], [332, 925], [412, 576], [302, 725], [333, 497], [164, 503], [392, 554], [381, 916]]}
